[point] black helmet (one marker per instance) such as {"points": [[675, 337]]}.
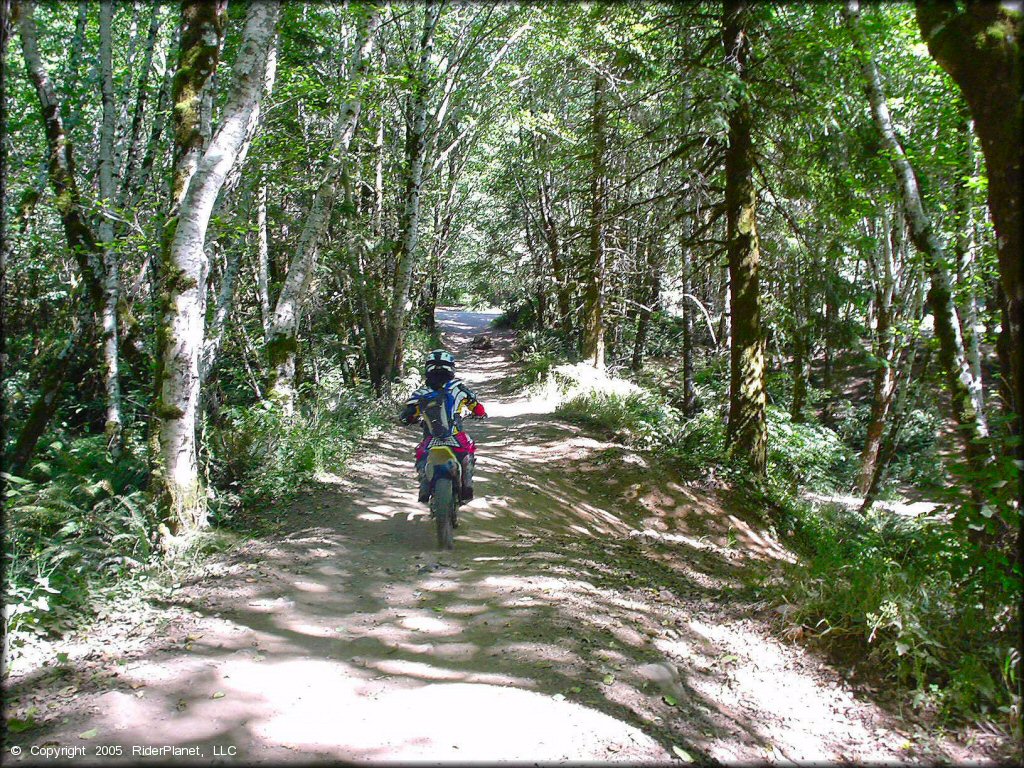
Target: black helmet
{"points": [[440, 359]]}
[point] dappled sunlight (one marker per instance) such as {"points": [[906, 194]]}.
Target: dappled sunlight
{"points": [[579, 607], [915, 509]]}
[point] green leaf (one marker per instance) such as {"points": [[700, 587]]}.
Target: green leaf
{"points": [[17, 725], [670, 700], [608, 679], [682, 754], [218, 695], [90, 734]]}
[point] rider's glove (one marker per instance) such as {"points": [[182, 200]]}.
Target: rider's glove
{"points": [[479, 412]]}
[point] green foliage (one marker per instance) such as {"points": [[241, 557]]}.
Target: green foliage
{"points": [[908, 596], [537, 354], [74, 527], [639, 420], [806, 454], [260, 457], [520, 316]]}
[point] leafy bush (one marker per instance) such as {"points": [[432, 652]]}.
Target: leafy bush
{"points": [[260, 456], [805, 454], [76, 524], [520, 317], [537, 353], [907, 595], [637, 419], [700, 444]]}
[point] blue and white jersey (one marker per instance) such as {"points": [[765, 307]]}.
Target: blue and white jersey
{"points": [[441, 409]]}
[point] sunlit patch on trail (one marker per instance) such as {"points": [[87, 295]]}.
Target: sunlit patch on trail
{"points": [[462, 721]]}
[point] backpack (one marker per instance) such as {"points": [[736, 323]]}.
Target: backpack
{"points": [[438, 411]]}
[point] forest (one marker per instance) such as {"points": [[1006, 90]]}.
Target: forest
{"points": [[740, 283]]}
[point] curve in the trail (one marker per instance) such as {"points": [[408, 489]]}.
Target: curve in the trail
{"points": [[553, 632]]}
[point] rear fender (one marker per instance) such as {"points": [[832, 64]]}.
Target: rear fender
{"points": [[442, 462]]}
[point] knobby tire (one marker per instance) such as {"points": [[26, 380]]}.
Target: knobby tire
{"points": [[443, 506]]}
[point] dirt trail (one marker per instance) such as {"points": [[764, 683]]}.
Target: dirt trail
{"points": [[585, 615]]}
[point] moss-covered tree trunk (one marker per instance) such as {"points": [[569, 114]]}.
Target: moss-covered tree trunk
{"points": [[593, 272], [747, 435], [78, 354], [198, 178], [979, 45], [282, 333], [964, 389]]}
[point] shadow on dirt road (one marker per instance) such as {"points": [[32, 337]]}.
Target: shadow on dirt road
{"points": [[582, 617]]}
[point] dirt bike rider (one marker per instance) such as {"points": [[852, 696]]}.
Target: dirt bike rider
{"points": [[439, 373]]}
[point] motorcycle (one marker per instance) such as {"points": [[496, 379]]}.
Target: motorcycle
{"points": [[444, 470]]}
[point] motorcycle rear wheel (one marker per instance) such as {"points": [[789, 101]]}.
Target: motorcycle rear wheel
{"points": [[442, 504]]}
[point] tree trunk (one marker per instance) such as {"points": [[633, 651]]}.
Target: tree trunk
{"points": [[887, 449], [549, 227], [724, 325], [75, 60], [136, 186], [378, 179], [226, 294], [77, 355], [282, 335], [593, 273], [965, 247], [979, 45], [111, 279], [386, 359], [181, 496], [801, 371], [131, 151], [747, 430], [964, 389], [263, 257], [689, 397], [884, 379], [5, 30], [221, 313], [648, 299]]}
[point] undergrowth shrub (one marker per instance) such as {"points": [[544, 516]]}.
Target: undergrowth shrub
{"points": [[537, 353], [806, 454], [76, 524], [638, 419], [260, 457], [910, 597], [519, 316]]}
